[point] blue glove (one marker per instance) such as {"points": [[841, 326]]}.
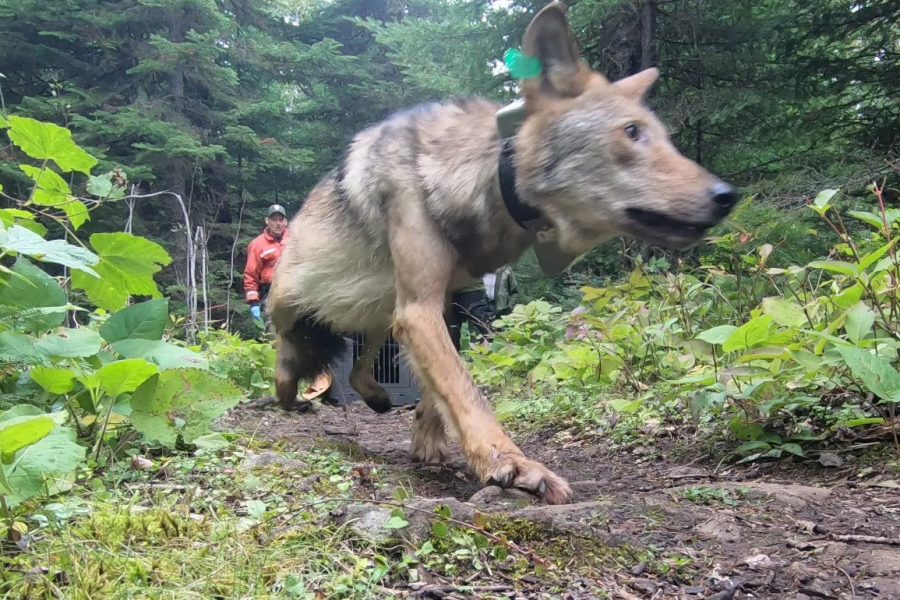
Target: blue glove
{"points": [[255, 312]]}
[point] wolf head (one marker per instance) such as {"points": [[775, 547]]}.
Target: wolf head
{"points": [[597, 162]]}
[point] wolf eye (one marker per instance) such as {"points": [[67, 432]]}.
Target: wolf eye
{"points": [[633, 132]]}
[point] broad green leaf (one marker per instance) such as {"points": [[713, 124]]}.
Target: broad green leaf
{"points": [[784, 311], [184, 401], [717, 335], [17, 348], [752, 447], [875, 372], [794, 449], [103, 187], [824, 197], [834, 266], [48, 141], [863, 421], [763, 353], [505, 410], [872, 257], [806, 359], [848, 297], [127, 266], [47, 180], [750, 334], [211, 442], [19, 239], [40, 469], [439, 529], [23, 218], [34, 289], [256, 509], [124, 376], [70, 343], [869, 218], [396, 522], [628, 407], [21, 410], [55, 380], [164, 354], [145, 320], [100, 186], [859, 322], [21, 432]]}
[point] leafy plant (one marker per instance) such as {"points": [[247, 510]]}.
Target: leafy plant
{"points": [[107, 372]]}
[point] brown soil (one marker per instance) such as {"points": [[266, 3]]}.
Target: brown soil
{"points": [[777, 530]]}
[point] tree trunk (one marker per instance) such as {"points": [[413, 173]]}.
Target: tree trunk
{"points": [[648, 33]]}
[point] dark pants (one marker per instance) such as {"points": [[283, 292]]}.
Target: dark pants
{"points": [[473, 307]]}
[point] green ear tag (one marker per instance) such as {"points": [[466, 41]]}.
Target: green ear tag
{"points": [[521, 66]]}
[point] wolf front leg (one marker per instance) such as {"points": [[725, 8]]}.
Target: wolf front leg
{"points": [[423, 266]]}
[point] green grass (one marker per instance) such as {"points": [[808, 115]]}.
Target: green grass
{"points": [[203, 527]]}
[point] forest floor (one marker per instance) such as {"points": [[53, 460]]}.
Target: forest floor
{"points": [[652, 521], [328, 504]]}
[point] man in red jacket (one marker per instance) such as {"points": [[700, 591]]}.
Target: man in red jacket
{"points": [[262, 254]]}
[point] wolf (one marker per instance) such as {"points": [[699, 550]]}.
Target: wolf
{"points": [[433, 197]]}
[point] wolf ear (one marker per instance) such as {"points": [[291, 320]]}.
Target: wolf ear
{"points": [[636, 86], [550, 40]]}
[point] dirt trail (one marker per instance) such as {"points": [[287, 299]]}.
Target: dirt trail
{"points": [[765, 531]]}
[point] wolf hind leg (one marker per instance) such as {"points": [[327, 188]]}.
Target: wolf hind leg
{"points": [[363, 381]]}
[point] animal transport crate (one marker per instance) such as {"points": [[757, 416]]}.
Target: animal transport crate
{"points": [[390, 371]]}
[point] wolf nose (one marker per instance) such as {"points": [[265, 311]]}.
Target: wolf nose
{"points": [[724, 195]]}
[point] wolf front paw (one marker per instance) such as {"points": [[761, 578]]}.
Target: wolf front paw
{"points": [[514, 470]]}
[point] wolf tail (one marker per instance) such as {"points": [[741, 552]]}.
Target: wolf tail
{"points": [[305, 350]]}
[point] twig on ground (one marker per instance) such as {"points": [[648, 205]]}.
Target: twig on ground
{"points": [[345, 500], [849, 580], [866, 539], [447, 589]]}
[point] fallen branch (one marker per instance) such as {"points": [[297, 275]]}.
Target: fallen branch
{"points": [[449, 589], [865, 539]]}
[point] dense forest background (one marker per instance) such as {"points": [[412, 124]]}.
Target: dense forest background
{"points": [[231, 105]]}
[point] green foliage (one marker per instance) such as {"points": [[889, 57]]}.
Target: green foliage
{"points": [[20, 432], [181, 403], [126, 268], [144, 320], [764, 349], [90, 372], [46, 141], [246, 363], [32, 300], [37, 454]]}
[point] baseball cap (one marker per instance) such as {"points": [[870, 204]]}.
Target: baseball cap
{"points": [[276, 209]]}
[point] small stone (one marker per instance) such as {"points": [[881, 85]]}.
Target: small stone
{"points": [[807, 526], [496, 498], [719, 527], [760, 562], [368, 522], [830, 459], [819, 589], [821, 529], [269, 458], [801, 572], [139, 463]]}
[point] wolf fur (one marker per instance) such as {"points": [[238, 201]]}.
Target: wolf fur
{"points": [[415, 211]]}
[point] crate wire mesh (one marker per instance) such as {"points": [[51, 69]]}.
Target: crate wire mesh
{"points": [[390, 371]]}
